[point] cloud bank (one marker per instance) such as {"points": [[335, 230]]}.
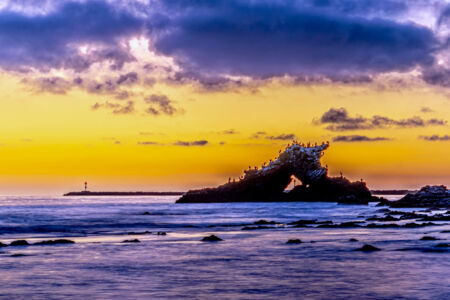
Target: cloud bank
{"points": [[338, 119], [107, 47], [435, 138], [358, 138]]}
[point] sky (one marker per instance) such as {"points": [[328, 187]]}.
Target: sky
{"points": [[173, 95]]}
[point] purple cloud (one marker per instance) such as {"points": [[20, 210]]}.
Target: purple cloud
{"points": [[338, 119]]}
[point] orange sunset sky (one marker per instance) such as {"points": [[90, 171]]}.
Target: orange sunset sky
{"points": [[151, 111]]}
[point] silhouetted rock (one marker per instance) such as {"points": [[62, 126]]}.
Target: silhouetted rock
{"points": [[428, 238], [294, 241], [374, 225], [428, 196], [161, 233], [131, 241], [211, 238], [438, 217], [146, 213], [443, 245], [3, 245], [18, 255], [333, 189], [407, 225], [303, 222], [353, 240], [269, 182], [415, 225], [19, 243], [368, 248], [264, 222], [55, 242]]}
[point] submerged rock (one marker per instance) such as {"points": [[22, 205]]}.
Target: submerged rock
{"points": [[269, 182], [211, 238], [438, 217], [303, 222], [131, 241], [368, 248], [294, 241], [19, 243], [437, 196], [18, 255], [428, 238], [264, 222], [55, 242]]}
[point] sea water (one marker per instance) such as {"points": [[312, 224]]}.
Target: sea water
{"points": [[247, 264]]}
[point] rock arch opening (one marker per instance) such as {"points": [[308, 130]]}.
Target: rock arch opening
{"points": [[293, 183]]}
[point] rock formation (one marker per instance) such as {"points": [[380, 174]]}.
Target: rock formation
{"points": [[429, 196], [269, 182]]}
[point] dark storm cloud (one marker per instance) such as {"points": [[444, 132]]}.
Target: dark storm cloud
{"points": [[437, 75], [391, 7], [191, 143], [358, 138], [338, 119], [435, 138], [261, 39], [128, 78], [272, 38], [50, 40], [160, 104], [444, 17]]}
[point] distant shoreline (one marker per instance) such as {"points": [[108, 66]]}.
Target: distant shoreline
{"points": [[104, 193], [88, 193], [392, 192]]}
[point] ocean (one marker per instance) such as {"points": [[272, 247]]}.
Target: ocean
{"points": [[247, 264]]}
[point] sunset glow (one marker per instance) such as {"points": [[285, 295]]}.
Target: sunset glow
{"points": [[113, 109]]}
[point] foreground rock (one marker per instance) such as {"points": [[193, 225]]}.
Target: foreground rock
{"points": [[428, 238], [19, 243], [294, 241], [211, 238], [269, 182], [131, 241], [368, 248], [437, 196], [55, 242]]}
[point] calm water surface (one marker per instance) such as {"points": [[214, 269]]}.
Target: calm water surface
{"points": [[248, 264]]}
